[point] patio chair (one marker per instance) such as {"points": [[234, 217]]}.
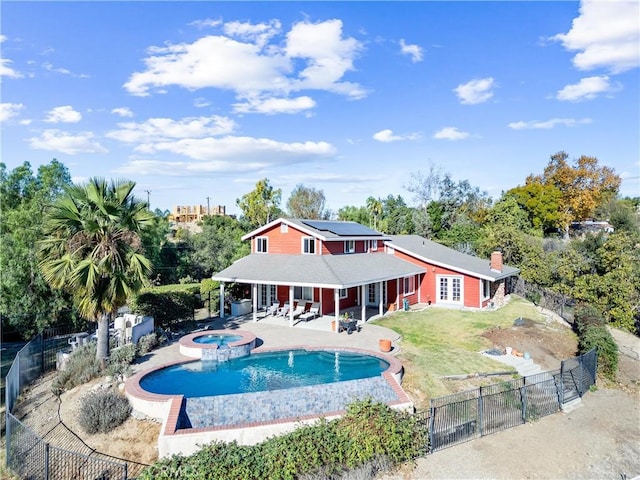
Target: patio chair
{"points": [[313, 312], [299, 310], [272, 310], [283, 310]]}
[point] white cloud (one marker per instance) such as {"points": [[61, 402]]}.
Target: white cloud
{"points": [[9, 110], [271, 106], [387, 136], [64, 114], [586, 89], [450, 133], [315, 177], [68, 143], [547, 124], [123, 111], [606, 34], [254, 64], [64, 71], [5, 69], [201, 102], [164, 129], [226, 155], [475, 91], [260, 33], [207, 22], [414, 51]]}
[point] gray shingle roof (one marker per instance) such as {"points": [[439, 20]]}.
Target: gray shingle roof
{"points": [[440, 255], [329, 271]]}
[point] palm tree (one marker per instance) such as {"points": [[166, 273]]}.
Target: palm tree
{"points": [[92, 248], [374, 206]]}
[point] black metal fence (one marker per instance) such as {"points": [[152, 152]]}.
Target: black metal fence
{"points": [[546, 298], [467, 415], [30, 455]]}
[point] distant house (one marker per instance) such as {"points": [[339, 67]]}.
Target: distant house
{"points": [[590, 226], [341, 265], [195, 213]]}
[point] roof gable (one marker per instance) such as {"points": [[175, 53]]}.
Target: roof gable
{"points": [[323, 229]]}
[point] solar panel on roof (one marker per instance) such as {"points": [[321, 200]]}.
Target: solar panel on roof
{"points": [[341, 228]]}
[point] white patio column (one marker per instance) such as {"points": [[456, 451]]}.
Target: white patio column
{"points": [[291, 305], [221, 299], [364, 303], [420, 288], [254, 296], [336, 303], [397, 294], [381, 300]]}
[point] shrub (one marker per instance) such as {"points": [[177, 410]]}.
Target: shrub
{"points": [[102, 411], [167, 304], [369, 439], [120, 360], [587, 315], [80, 368], [147, 343], [599, 337]]}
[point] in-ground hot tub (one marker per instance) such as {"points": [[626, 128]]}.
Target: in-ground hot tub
{"points": [[217, 345]]}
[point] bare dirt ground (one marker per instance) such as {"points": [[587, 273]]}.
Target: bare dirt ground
{"points": [[598, 440]]}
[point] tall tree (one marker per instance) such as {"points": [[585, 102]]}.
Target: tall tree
{"points": [[374, 207], [540, 201], [27, 302], [93, 249], [261, 205], [306, 202], [218, 245], [583, 186], [353, 214]]}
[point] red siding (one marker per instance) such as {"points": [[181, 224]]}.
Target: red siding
{"points": [[289, 242], [336, 247]]}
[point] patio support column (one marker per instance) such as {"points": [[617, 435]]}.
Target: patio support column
{"points": [[397, 294], [254, 297], [291, 305], [420, 288], [381, 300], [221, 300], [364, 303], [336, 303]]}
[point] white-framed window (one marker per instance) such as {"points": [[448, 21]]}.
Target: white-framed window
{"points": [[262, 244], [284, 228], [303, 293], [343, 293], [308, 245], [373, 245], [486, 289], [409, 285], [267, 295], [349, 246], [450, 289]]}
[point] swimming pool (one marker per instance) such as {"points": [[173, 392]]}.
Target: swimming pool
{"points": [[217, 339], [262, 372]]}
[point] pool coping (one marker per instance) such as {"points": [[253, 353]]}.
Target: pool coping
{"points": [[192, 349], [167, 408]]}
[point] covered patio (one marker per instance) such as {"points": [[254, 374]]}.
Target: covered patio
{"points": [[357, 284]]}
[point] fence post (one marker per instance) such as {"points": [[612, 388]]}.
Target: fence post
{"points": [[523, 398], [481, 413], [432, 417], [46, 461], [581, 388], [42, 352]]}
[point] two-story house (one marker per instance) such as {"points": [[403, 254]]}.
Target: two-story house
{"points": [[341, 265]]}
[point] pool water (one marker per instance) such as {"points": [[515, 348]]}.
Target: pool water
{"points": [[262, 372], [213, 339]]}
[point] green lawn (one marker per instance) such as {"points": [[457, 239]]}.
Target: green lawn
{"points": [[438, 342]]}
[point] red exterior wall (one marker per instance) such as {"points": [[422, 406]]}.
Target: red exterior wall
{"points": [[289, 242], [337, 247]]}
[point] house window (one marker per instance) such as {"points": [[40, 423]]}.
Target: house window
{"points": [[343, 293], [261, 244], [284, 228], [373, 245], [486, 289], [303, 293], [267, 295], [409, 285], [349, 246], [450, 289], [309, 245]]}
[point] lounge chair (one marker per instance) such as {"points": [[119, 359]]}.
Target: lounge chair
{"points": [[313, 312], [273, 308], [299, 310], [283, 310]]}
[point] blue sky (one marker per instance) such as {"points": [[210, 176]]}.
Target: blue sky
{"points": [[202, 99]]}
